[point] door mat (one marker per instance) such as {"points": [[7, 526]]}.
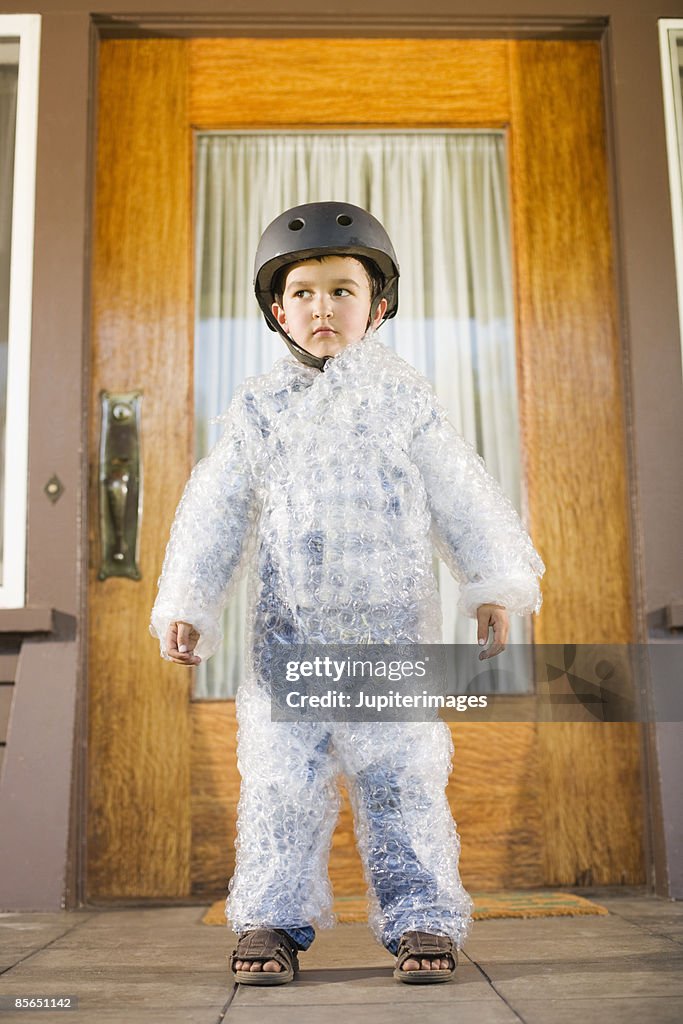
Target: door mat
{"points": [[487, 905]]}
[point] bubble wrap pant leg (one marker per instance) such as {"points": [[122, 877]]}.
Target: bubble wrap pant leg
{"points": [[288, 807], [406, 834]]}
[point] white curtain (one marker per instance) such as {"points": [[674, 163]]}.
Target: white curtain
{"points": [[443, 199]]}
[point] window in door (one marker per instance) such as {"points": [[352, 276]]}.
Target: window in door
{"points": [[443, 197]]}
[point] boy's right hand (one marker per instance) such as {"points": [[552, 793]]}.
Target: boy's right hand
{"points": [[181, 640]]}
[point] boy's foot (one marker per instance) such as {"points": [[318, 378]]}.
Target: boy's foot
{"points": [[423, 957], [443, 964], [257, 965], [264, 956]]}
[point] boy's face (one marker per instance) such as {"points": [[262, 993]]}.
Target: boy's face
{"points": [[326, 305]]}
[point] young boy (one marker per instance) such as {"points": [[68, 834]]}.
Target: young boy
{"points": [[340, 470]]}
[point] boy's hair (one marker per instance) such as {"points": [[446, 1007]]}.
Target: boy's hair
{"points": [[372, 272]]}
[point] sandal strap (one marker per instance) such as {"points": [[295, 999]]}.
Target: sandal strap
{"points": [[266, 944], [416, 944]]}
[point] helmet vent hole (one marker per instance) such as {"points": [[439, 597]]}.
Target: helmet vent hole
{"points": [[297, 224], [344, 220]]}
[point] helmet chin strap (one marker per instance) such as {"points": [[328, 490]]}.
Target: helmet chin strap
{"points": [[306, 357], [302, 354]]}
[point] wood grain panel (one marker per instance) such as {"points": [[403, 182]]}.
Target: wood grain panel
{"points": [[214, 796], [571, 399], [591, 803], [568, 345], [139, 738], [498, 812], [365, 82], [494, 795]]}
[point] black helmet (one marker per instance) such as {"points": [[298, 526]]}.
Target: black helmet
{"points": [[313, 230]]}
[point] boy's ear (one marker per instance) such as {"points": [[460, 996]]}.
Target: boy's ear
{"points": [[279, 314], [379, 313]]}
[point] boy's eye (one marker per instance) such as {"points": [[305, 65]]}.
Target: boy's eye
{"points": [[301, 292], [342, 291]]}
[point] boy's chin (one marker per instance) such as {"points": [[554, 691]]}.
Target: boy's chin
{"points": [[333, 346]]}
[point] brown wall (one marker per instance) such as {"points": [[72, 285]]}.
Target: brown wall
{"points": [[47, 720]]}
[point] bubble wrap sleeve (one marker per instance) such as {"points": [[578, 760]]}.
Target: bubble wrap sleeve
{"points": [[209, 535], [476, 528]]}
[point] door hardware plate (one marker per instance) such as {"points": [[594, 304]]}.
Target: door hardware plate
{"points": [[120, 484]]}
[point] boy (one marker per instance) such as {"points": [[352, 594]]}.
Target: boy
{"points": [[341, 468]]}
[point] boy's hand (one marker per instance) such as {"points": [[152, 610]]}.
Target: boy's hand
{"points": [[181, 640], [496, 616]]}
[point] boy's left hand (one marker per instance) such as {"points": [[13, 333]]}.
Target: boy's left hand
{"points": [[496, 616]]}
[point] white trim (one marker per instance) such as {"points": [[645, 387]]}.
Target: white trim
{"points": [[25, 27], [669, 30]]}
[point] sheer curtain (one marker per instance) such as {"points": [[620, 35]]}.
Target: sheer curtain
{"points": [[443, 199]]}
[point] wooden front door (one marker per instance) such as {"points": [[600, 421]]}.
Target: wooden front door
{"points": [[535, 803]]}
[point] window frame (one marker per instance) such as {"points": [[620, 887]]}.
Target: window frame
{"points": [[25, 28]]}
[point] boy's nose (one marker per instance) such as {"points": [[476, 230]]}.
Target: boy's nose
{"points": [[322, 308]]}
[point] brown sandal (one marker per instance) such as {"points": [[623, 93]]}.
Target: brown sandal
{"points": [[265, 944], [416, 945]]}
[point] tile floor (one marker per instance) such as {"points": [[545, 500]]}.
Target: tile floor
{"points": [[162, 964]]}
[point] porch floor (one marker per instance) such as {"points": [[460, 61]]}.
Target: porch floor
{"points": [[161, 964]]}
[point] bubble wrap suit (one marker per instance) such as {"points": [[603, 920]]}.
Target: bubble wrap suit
{"points": [[334, 486]]}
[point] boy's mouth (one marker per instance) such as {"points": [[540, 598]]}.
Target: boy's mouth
{"points": [[324, 330]]}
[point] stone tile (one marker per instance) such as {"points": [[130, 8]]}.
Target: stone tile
{"points": [[369, 986], [186, 951], [543, 926], [60, 918], [597, 977], [568, 959], [631, 1010], [400, 1012], [172, 1015], [47, 969], [347, 964], [157, 917], [347, 945], [647, 906], [670, 928], [152, 990], [508, 941], [121, 939], [672, 932], [657, 916], [123, 1015], [23, 934], [151, 964], [161, 964]]}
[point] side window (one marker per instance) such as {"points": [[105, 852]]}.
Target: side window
{"points": [[19, 58], [671, 49]]}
